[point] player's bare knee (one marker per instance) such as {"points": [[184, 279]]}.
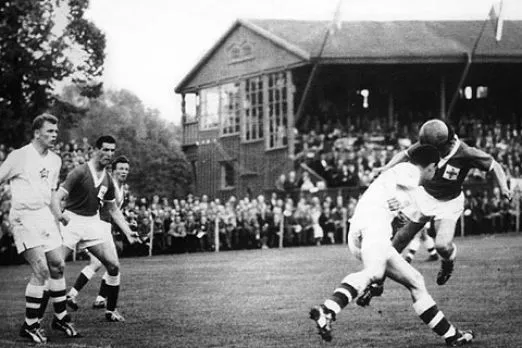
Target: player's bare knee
{"points": [[56, 268], [113, 268], [41, 274]]}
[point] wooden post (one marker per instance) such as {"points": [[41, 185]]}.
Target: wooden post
{"points": [[442, 91], [462, 225], [151, 242], [281, 230], [345, 227], [517, 209], [290, 124], [216, 234], [391, 109]]}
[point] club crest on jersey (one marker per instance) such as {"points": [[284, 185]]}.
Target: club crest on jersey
{"points": [[451, 173], [44, 173], [102, 192]]}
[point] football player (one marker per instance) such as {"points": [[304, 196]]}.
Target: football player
{"points": [[33, 172], [120, 170], [443, 194], [369, 240], [86, 188]]}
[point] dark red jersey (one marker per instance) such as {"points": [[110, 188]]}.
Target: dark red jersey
{"points": [[86, 194], [453, 169]]}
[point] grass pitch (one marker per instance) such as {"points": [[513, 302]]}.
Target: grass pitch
{"points": [[261, 298]]}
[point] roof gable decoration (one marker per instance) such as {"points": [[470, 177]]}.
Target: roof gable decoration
{"points": [[238, 52]]}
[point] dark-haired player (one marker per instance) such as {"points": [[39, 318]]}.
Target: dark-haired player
{"points": [[85, 189], [120, 170], [369, 240], [443, 194]]}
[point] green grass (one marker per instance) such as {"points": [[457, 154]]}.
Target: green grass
{"points": [[261, 298]]}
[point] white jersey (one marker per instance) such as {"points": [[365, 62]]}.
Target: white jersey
{"points": [[400, 182], [31, 177], [119, 193]]}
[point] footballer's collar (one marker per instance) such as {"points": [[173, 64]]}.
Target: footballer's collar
{"points": [[452, 152], [97, 180]]}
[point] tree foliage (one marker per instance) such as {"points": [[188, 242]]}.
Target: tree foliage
{"points": [[158, 165], [35, 54]]}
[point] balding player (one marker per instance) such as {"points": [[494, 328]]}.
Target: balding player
{"points": [[443, 193]]}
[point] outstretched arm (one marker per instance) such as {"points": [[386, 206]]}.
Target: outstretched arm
{"points": [[400, 157], [500, 177]]}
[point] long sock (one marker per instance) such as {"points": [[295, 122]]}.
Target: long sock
{"points": [[83, 278], [113, 290], [427, 310], [350, 287], [57, 287], [33, 301], [45, 301], [453, 254], [103, 286]]}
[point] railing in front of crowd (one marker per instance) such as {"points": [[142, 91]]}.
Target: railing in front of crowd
{"points": [[346, 193]]}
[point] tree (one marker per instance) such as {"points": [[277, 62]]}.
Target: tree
{"points": [[35, 54], [158, 165]]}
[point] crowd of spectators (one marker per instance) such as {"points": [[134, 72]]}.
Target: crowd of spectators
{"points": [[315, 201]]}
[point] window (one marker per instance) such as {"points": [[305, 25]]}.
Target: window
{"points": [[191, 106], [253, 109], [482, 92], [246, 49], [230, 108], [209, 117], [277, 111], [228, 175]]}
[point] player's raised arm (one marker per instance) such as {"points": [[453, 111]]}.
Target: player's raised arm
{"points": [[500, 177], [399, 157]]}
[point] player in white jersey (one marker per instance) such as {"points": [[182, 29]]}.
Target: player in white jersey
{"points": [[370, 241], [120, 170], [32, 172]]}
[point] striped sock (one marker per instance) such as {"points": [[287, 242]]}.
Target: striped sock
{"points": [[57, 287], [427, 310], [113, 290], [45, 301], [33, 301], [83, 278], [103, 286], [432, 251], [343, 295]]}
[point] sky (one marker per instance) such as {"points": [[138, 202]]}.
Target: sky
{"points": [[153, 44]]}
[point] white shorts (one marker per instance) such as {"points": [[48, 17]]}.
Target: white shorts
{"points": [[35, 228], [368, 234], [432, 207], [84, 231], [107, 232]]}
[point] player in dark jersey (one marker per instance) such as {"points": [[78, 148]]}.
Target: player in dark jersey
{"points": [[85, 189], [120, 170], [443, 194]]}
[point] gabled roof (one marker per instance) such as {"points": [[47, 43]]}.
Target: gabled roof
{"points": [[381, 41], [366, 42], [258, 30]]}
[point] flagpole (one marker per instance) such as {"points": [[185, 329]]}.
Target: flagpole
{"points": [[304, 98], [470, 57]]}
